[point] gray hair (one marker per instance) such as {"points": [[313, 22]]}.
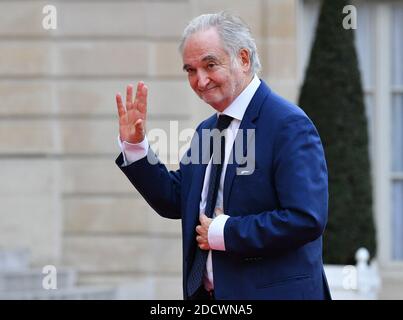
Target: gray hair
{"points": [[233, 31]]}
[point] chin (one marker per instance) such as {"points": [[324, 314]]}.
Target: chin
{"points": [[212, 102], [219, 104], [212, 99]]}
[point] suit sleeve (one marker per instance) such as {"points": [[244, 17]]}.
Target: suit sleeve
{"points": [[301, 183], [158, 186]]}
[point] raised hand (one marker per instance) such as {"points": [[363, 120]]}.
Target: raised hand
{"points": [[132, 118]]}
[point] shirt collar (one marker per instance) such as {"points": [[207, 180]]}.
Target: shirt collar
{"points": [[238, 107]]}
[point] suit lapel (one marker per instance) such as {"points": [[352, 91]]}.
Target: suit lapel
{"points": [[247, 123]]}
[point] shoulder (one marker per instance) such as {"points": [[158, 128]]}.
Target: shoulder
{"points": [[280, 108], [278, 112]]}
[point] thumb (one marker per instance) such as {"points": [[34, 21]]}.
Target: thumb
{"points": [[202, 218], [139, 126]]}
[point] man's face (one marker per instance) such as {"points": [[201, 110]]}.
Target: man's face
{"points": [[210, 71]]}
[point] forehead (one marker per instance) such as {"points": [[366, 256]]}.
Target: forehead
{"points": [[202, 44]]}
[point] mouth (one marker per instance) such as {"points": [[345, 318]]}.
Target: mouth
{"points": [[207, 90]]}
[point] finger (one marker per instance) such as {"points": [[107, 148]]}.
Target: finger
{"points": [[121, 108], [129, 96], [205, 221], [200, 230], [202, 218], [139, 89], [202, 237], [141, 97], [204, 246]]}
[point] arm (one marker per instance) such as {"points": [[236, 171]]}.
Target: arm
{"points": [[300, 175], [160, 188]]}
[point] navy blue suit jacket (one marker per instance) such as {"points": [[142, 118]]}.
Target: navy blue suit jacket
{"points": [[273, 238]]}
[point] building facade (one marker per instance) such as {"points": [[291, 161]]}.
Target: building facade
{"points": [[63, 197]]}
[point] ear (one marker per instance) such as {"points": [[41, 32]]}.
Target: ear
{"points": [[244, 59]]}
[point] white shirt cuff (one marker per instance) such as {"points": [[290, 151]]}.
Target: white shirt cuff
{"points": [[133, 152], [216, 232]]}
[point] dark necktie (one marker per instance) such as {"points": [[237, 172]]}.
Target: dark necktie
{"points": [[195, 278]]}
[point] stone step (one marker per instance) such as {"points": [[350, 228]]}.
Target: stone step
{"points": [[77, 293], [14, 259], [32, 280]]}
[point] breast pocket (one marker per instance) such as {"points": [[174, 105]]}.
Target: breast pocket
{"points": [[252, 191]]}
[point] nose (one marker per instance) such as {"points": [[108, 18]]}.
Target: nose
{"points": [[202, 80]]}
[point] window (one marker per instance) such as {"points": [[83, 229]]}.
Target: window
{"points": [[379, 43]]}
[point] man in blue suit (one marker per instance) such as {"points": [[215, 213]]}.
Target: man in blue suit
{"points": [[251, 230]]}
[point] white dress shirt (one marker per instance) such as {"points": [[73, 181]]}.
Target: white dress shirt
{"points": [[133, 152]]}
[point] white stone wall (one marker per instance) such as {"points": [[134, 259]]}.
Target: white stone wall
{"points": [[61, 194]]}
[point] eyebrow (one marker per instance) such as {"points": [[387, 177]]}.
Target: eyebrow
{"points": [[209, 57]]}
